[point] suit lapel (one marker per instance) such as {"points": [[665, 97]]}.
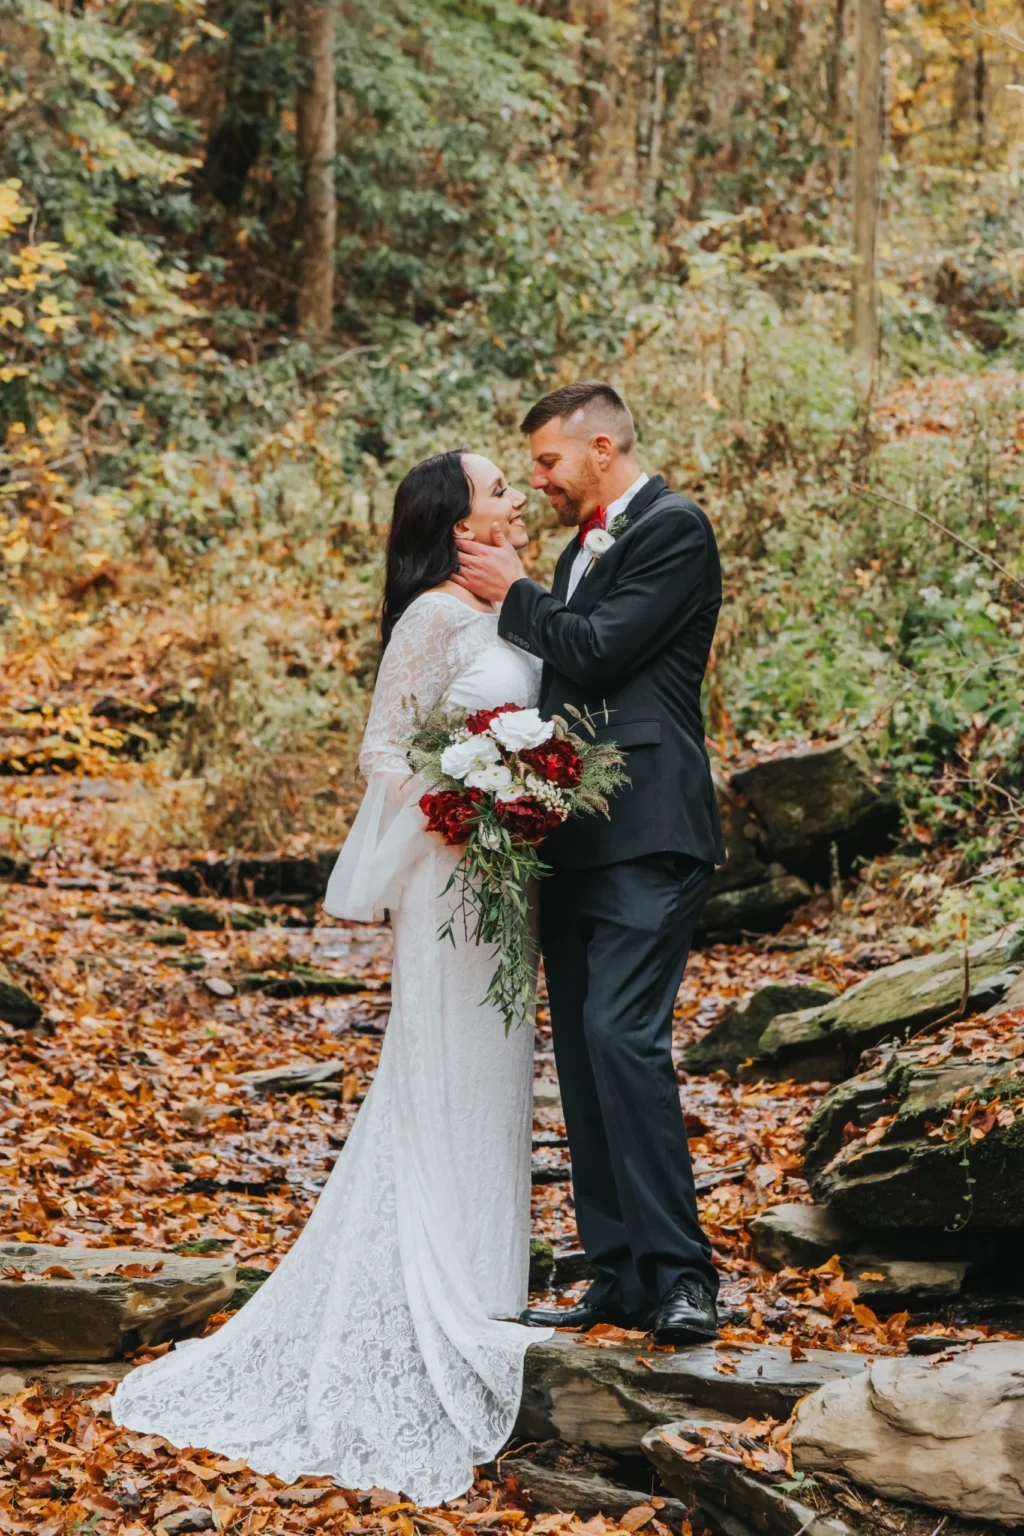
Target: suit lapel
{"points": [[641, 503], [644, 499]]}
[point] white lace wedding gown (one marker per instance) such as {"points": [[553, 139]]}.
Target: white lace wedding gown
{"points": [[376, 1352]]}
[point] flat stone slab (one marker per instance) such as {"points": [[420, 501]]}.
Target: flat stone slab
{"points": [[55, 1380], [603, 1397], [83, 1304], [725, 1492], [582, 1492], [297, 1077], [806, 1236]]}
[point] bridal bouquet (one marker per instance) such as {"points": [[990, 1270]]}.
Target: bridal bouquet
{"points": [[501, 780]]}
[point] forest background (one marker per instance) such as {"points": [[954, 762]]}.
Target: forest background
{"points": [[258, 258]]}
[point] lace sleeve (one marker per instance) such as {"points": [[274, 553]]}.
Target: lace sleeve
{"points": [[418, 666], [388, 836]]}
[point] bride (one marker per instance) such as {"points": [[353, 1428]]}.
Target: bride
{"points": [[377, 1353]]}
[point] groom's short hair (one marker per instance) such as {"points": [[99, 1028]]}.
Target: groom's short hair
{"points": [[600, 408]]}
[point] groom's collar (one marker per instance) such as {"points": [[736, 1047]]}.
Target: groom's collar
{"points": [[615, 508], [644, 498]]}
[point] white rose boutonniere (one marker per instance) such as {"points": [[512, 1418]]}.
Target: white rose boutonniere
{"points": [[598, 542]]}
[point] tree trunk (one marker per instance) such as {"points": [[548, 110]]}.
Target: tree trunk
{"points": [[834, 76], [597, 104], [317, 138], [651, 108], [236, 137], [867, 148]]}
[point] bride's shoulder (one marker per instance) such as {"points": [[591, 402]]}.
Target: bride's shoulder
{"points": [[438, 611]]}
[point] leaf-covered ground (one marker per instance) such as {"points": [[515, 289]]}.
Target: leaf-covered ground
{"points": [[128, 1119]]}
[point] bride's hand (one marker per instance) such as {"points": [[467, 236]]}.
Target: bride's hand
{"points": [[488, 570]]}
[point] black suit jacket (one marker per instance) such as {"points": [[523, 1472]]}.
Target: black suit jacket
{"points": [[634, 638]]}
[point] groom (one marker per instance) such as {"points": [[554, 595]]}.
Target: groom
{"points": [[624, 635]]}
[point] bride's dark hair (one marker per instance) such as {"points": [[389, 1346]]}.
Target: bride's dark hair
{"points": [[433, 497]]}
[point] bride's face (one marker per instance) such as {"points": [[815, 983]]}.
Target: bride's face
{"points": [[494, 501]]}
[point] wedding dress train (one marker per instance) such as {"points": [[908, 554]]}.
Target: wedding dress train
{"points": [[376, 1353]]}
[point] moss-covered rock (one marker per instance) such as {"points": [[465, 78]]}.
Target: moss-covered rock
{"points": [[736, 1036], [893, 1003], [907, 1175], [542, 1264], [754, 908], [809, 797], [17, 1006], [14, 867], [300, 981]]}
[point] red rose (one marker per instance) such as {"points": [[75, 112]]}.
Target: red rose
{"points": [[451, 812], [526, 820], [556, 760], [479, 722]]}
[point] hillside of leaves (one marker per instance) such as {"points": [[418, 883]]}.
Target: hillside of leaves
{"points": [[193, 498]]}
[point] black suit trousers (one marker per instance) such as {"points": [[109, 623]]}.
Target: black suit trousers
{"points": [[615, 942]]}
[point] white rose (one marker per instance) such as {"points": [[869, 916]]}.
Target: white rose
{"points": [[597, 543], [489, 837], [463, 756], [515, 791], [493, 776], [521, 729]]}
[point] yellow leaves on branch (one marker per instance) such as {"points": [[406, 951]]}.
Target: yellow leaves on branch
{"points": [[27, 268], [104, 146], [12, 210]]}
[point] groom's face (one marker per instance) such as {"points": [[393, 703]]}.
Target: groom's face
{"points": [[567, 469]]}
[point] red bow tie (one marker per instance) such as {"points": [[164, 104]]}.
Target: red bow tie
{"points": [[595, 520]]}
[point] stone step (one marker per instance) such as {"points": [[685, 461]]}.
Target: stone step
{"points": [[69, 1376], [579, 1491], [902, 1177], [301, 981], [607, 1396], [889, 1274], [728, 1495], [83, 1304], [269, 876], [297, 1077]]}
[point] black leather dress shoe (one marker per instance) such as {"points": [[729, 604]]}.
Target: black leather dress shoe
{"points": [[687, 1315], [585, 1314]]}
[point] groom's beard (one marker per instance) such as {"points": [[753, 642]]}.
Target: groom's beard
{"points": [[569, 510], [569, 506]]}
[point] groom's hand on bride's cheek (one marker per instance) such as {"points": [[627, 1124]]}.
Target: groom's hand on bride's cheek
{"points": [[488, 570]]}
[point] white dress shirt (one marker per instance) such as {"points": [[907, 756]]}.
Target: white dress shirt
{"points": [[620, 504]]}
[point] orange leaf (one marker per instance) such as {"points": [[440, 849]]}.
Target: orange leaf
{"points": [[634, 1518]]}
